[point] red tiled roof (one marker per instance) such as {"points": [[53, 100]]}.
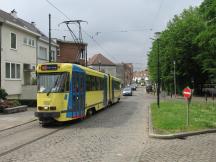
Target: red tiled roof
{"points": [[100, 59]]}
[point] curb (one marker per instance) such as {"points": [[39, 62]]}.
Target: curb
{"points": [[15, 109], [176, 135]]}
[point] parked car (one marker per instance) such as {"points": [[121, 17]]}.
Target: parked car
{"points": [[134, 87], [142, 84], [127, 91], [149, 88]]}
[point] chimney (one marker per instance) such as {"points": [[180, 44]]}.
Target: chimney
{"points": [[33, 23], [14, 13], [64, 37]]}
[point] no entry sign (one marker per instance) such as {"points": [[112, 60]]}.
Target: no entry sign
{"points": [[187, 93]]}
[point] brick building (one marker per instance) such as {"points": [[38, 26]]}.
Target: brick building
{"points": [[71, 52]]}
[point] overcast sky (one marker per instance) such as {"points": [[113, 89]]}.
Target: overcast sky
{"points": [[124, 26]]}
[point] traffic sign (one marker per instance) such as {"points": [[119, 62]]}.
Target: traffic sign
{"points": [[187, 93]]}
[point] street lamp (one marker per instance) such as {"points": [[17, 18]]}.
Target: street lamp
{"points": [[174, 77], [99, 65], [157, 35]]}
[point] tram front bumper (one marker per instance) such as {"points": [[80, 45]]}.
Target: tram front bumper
{"points": [[47, 114]]}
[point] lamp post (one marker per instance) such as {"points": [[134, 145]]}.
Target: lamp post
{"points": [[157, 35], [174, 77], [192, 81], [99, 65]]}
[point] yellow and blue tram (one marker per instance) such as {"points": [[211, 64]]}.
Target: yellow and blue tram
{"points": [[69, 91]]}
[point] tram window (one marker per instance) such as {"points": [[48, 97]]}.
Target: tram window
{"points": [[116, 85], [98, 83], [88, 83], [67, 83], [93, 80], [53, 82], [94, 83], [101, 83]]}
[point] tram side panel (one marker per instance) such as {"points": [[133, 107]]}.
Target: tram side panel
{"points": [[95, 92], [116, 91]]}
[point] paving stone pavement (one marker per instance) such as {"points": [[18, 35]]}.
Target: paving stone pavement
{"points": [[10, 120], [117, 134]]}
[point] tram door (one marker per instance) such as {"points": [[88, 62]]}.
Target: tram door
{"points": [[105, 91], [77, 95]]}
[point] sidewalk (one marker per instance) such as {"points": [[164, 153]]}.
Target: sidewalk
{"points": [[11, 120]]}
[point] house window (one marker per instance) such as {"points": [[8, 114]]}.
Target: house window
{"points": [[25, 40], [58, 51], [53, 56], [29, 42], [42, 53], [32, 43], [13, 40], [17, 70], [7, 70], [12, 71]]}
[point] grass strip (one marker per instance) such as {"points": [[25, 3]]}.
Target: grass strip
{"points": [[171, 116]]}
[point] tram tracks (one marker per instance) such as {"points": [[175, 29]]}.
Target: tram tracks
{"points": [[14, 139], [19, 125]]}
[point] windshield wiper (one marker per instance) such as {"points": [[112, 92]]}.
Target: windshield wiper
{"points": [[53, 86]]}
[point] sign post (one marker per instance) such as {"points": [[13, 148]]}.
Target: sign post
{"points": [[187, 95]]}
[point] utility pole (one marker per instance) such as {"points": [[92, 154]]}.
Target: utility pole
{"points": [[77, 40], [86, 55], [99, 64], [157, 34], [158, 74], [0, 49], [174, 78], [50, 52]]}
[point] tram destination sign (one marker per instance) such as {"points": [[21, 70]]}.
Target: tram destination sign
{"points": [[49, 67]]}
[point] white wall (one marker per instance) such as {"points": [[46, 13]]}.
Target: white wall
{"points": [[24, 54], [45, 45]]}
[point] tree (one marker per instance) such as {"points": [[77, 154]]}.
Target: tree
{"points": [[179, 43]]}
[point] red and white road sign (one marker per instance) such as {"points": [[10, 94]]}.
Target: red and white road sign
{"points": [[187, 93]]}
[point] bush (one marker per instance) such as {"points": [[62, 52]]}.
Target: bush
{"points": [[3, 94], [15, 103]]}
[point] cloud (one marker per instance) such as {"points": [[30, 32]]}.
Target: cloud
{"points": [[108, 17]]}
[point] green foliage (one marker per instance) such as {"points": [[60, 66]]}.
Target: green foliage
{"points": [[15, 103], [34, 81], [3, 94], [190, 41]]}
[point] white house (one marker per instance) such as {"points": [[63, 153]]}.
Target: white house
{"points": [[103, 64], [22, 46]]}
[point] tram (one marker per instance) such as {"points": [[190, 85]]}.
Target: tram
{"points": [[69, 91]]}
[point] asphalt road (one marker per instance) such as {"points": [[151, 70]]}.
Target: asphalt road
{"points": [[116, 134]]}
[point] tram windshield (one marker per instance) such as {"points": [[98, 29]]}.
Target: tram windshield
{"points": [[52, 82]]}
